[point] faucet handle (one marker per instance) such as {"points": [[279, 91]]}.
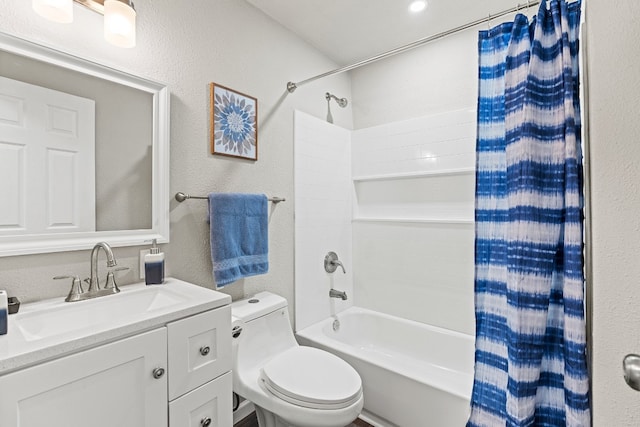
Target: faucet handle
{"points": [[111, 280], [339, 263], [331, 263], [76, 287]]}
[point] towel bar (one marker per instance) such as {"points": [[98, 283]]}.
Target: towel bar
{"points": [[181, 197]]}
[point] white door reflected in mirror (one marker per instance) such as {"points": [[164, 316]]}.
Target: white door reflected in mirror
{"points": [[47, 158]]}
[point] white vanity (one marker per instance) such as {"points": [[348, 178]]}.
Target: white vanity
{"points": [[150, 356]]}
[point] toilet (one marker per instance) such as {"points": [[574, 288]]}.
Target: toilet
{"points": [[290, 385]]}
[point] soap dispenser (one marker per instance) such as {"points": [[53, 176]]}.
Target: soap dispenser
{"points": [[154, 265]]}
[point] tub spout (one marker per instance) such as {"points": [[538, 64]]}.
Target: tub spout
{"points": [[334, 293]]}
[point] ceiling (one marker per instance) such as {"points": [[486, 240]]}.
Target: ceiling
{"points": [[348, 31]]}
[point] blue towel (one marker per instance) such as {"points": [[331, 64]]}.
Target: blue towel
{"points": [[239, 236]]}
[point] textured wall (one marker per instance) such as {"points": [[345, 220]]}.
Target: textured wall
{"points": [[614, 102], [187, 45]]}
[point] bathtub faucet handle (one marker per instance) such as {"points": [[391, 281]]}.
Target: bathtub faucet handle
{"points": [[331, 263], [339, 263]]}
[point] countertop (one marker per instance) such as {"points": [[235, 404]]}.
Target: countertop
{"points": [[19, 350]]}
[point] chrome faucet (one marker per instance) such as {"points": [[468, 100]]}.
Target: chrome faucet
{"points": [[94, 282], [334, 293], [331, 263]]}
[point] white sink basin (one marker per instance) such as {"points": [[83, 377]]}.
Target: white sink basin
{"points": [[49, 329], [64, 318]]}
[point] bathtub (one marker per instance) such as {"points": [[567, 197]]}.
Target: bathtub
{"points": [[413, 375]]}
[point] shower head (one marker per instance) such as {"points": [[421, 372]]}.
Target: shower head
{"points": [[342, 102]]}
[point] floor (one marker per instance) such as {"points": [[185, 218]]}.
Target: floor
{"points": [[252, 421]]}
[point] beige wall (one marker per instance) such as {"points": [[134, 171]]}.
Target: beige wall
{"points": [[187, 45], [613, 31]]}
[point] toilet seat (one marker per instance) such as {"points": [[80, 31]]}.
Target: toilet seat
{"points": [[312, 378]]}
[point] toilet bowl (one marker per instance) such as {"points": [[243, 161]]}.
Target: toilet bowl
{"points": [[290, 385]]}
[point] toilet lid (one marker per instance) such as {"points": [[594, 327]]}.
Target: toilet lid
{"points": [[312, 378]]}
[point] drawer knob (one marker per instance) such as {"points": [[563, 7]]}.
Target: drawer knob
{"points": [[205, 422], [204, 350], [236, 331], [158, 373]]}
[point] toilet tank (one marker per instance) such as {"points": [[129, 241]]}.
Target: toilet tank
{"points": [[266, 330]]}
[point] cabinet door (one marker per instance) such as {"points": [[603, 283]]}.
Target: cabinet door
{"points": [[206, 406], [199, 350], [107, 386]]}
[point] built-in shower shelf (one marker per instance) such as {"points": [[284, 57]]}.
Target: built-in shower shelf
{"points": [[415, 220], [409, 175]]}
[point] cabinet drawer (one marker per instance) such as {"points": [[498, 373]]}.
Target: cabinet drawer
{"points": [[211, 401], [199, 350]]}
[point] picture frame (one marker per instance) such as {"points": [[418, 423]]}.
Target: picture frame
{"points": [[233, 123]]}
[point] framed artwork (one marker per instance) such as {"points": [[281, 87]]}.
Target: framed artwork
{"points": [[234, 123]]}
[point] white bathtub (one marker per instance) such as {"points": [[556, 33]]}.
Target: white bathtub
{"points": [[414, 375]]}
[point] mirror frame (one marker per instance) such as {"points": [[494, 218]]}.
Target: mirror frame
{"points": [[61, 242]]}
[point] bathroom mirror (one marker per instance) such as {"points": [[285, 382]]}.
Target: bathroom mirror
{"points": [[84, 153]]}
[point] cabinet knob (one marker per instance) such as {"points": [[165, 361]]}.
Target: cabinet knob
{"points": [[158, 373], [205, 422], [204, 350]]}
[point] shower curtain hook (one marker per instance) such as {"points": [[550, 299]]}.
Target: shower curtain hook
{"points": [[488, 22]]}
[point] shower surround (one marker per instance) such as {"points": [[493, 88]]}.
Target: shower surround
{"points": [[396, 203]]}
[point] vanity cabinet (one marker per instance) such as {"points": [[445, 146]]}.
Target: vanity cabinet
{"points": [[106, 386], [176, 375], [199, 358]]}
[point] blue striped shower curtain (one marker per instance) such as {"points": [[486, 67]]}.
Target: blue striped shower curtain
{"points": [[530, 367]]}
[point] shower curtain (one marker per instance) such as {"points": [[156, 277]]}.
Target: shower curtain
{"points": [[530, 360]]}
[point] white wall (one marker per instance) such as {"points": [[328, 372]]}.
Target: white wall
{"points": [[437, 77], [414, 113], [323, 217], [188, 46], [614, 105], [413, 218], [411, 183]]}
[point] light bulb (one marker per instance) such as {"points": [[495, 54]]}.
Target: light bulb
{"points": [[119, 23], [418, 6], [54, 10]]}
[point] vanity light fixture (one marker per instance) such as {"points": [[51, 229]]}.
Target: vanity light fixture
{"points": [[119, 17], [54, 10], [417, 6]]}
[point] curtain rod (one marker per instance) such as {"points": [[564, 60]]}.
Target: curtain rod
{"points": [[291, 86]]}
